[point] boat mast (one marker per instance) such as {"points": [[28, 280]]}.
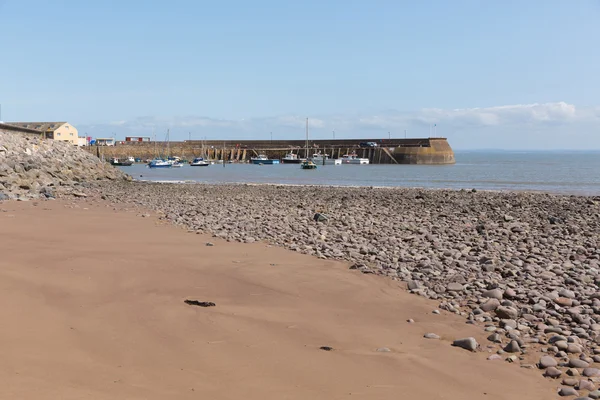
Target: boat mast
{"points": [[306, 139]]}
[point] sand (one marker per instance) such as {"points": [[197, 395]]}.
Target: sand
{"points": [[93, 308]]}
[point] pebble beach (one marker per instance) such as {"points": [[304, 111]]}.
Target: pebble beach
{"points": [[523, 267]]}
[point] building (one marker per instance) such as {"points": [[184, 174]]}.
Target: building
{"points": [[137, 138], [52, 130]]}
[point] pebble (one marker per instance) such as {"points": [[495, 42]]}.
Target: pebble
{"points": [[546, 362], [567, 391], [466, 343], [431, 336], [512, 347], [591, 372], [577, 363], [594, 394], [552, 372], [383, 350]]}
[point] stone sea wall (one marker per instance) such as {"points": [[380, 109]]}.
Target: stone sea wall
{"points": [[31, 167]]}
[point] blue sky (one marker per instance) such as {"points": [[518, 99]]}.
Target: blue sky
{"points": [[491, 74]]}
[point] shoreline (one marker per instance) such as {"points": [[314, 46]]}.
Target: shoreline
{"points": [[268, 184]]}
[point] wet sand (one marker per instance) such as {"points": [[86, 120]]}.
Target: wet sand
{"points": [[93, 307]]}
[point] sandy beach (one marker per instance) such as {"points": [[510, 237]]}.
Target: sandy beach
{"points": [[94, 308]]}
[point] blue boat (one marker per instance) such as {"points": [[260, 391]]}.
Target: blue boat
{"points": [[262, 159]]}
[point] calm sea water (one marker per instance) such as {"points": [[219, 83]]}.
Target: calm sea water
{"points": [[556, 172]]}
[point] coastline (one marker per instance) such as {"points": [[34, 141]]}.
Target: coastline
{"points": [[269, 184], [115, 324]]}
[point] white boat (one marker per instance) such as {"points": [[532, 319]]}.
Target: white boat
{"points": [[131, 159], [323, 159], [199, 162], [353, 159], [159, 163]]}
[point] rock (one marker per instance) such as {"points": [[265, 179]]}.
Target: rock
{"points": [[3, 196], [326, 348], [570, 382], [577, 363], [383, 350], [546, 362], [573, 348], [209, 244], [431, 336], [552, 372], [495, 338], [594, 394], [512, 347], [494, 357], [410, 321], [412, 285], [490, 305], [493, 294], [591, 372], [567, 391], [585, 385], [454, 287], [466, 343], [507, 313], [435, 312]]}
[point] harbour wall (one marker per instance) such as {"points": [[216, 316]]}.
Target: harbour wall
{"points": [[388, 151]]}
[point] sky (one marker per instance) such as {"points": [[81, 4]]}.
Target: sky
{"points": [[508, 74]]}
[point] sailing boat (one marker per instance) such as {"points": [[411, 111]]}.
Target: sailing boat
{"points": [[307, 164], [159, 162]]}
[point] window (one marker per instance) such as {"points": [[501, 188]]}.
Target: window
{"points": [[71, 133], [58, 134]]}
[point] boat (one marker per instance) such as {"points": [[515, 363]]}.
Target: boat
{"points": [[199, 162], [262, 159], [291, 158], [160, 163], [130, 158], [119, 163], [307, 164], [354, 159], [323, 159]]}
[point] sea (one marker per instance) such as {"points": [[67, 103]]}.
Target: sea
{"points": [[562, 172]]}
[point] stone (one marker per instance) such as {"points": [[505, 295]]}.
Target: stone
{"points": [[466, 343], [567, 391], [493, 294], [507, 312], [546, 362], [512, 347], [594, 394], [585, 385], [591, 372], [577, 363], [573, 348], [490, 305], [431, 336], [494, 357], [383, 350], [209, 244], [552, 372], [455, 287]]}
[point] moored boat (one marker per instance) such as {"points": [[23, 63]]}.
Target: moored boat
{"points": [[354, 159], [120, 163], [262, 159], [308, 164], [323, 159], [160, 163], [199, 162], [291, 158]]}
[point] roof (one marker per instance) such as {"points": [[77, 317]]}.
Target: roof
{"points": [[38, 126]]}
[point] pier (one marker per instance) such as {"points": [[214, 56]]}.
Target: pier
{"points": [[387, 151]]}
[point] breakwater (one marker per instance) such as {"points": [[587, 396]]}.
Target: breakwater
{"points": [[388, 151]]}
